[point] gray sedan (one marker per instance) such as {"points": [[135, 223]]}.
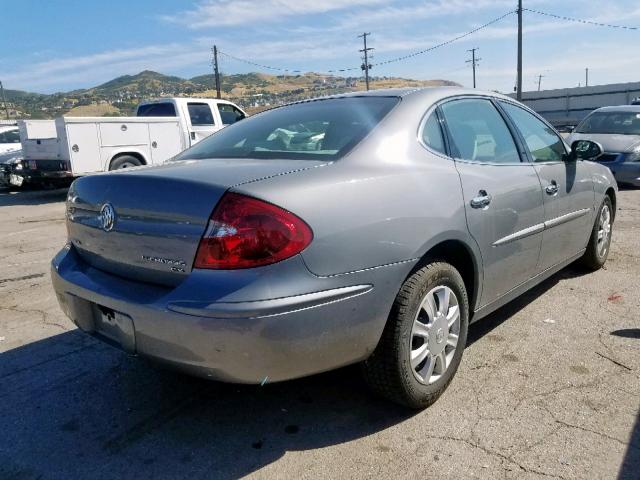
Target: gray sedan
{"points": [[403, 216], [617, 129]]}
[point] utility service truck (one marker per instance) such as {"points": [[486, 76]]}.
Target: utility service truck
{"points": [[161, 129]]}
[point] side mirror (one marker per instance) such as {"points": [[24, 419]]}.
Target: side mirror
{"points": [[585, 150]]}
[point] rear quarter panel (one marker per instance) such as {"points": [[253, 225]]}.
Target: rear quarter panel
{"points": [[388, 201], [602, 180]]}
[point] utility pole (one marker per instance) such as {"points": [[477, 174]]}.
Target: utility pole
{"points": [[540, 77], [216, 72], [519, 82], [586, 77], [4, 101], [474, 62], [365, 65]]}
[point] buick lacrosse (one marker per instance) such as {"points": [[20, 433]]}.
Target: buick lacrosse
{"points": [[366, 228]]}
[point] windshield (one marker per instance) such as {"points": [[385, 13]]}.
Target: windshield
{"points": [[317, 130], [622, 123]]}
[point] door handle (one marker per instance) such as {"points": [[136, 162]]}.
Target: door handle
{"points": [[482, 200], [552, 188], [193, 135]]}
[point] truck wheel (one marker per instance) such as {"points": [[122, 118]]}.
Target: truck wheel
{"points": [[422, 343], [600, 239], [125, 161]]}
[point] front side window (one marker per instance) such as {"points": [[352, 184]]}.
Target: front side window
{"points": [[478, 132], [229, 114], [432, 134], [621, 123], [200, 114], [543, 143], [320, 129]]}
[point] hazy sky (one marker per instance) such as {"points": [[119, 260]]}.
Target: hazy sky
{"points": [[58, 45]]}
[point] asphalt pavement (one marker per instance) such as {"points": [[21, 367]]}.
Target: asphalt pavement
{"points": [[549, 387]]}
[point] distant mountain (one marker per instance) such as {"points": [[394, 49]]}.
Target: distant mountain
{"points": [[146, 80], [251, 90]]}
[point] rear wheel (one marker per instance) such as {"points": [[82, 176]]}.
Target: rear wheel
{"points": [[125, 161], [422, 344], [598, 247]]}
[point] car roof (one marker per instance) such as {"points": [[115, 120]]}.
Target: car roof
{"points": [[620, 108], [432, 94], [182, 99]]}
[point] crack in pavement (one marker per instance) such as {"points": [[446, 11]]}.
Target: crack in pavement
{"points": [[491, 452], [23, 277], [595, 432], [39, 312], [614, 361]]}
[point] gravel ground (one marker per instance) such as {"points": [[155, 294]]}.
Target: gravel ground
{"points": [[549, 387]]}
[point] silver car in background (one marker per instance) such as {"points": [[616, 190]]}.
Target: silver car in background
{"points": [[617, 130], [374, 233]]}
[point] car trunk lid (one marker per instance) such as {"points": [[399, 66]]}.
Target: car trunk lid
{"points": [[146, 223]]}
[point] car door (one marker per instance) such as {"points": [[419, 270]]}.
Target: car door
{"points": [[567, 185], [201, 121], [501, 191]]}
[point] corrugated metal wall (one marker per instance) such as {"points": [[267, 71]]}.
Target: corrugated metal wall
{"points": [[567, 106]]}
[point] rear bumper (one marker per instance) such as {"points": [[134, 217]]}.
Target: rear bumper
{"points": [[231, 329], [37, 177]]}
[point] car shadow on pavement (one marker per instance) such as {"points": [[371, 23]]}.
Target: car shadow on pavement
{"points": [[631, 463], [627, 333], [31, 197], [485, 325], [71, 407]]}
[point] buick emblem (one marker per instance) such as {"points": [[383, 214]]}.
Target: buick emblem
{"points": [[439, 336], [107, 217]]}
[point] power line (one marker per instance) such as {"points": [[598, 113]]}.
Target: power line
{"points": [[281, 69], [392, 60], [447, 42], [249, 62], [578, 20]]}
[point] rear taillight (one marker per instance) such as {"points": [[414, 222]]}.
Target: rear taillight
{"points": [[245, 232]]}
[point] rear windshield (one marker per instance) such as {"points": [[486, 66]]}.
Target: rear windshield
{"points": [[623, 123], [318, 130], [165, 109]]}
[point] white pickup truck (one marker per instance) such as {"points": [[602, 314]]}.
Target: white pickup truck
{"points": [[161, 129]]}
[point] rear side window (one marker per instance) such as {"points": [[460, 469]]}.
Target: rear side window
{"points": [[229, 114], [542, 142], [432, 134], [478, 132], [320, 129], [200, 114], [164, 109]]}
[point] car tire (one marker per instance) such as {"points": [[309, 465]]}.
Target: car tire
{"points": [[390, 370], [600, 240], [125, 161]]}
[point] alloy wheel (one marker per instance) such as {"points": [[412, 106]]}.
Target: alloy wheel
{"points": [[604, 230], [434, 335]]}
